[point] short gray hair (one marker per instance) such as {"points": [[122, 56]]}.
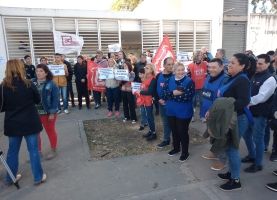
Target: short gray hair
{"points": [[223, 52]]}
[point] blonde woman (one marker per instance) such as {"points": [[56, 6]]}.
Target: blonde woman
{"points": [[113, 91], [134, 61], [147, 88]]}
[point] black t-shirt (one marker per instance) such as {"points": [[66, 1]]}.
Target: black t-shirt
{"points": [[30, 71], [239, 90]]}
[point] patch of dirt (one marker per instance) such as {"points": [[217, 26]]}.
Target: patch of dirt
{"points": [[111, 138]]}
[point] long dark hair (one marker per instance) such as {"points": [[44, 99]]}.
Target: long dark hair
{"points": [[124, 55], [251, 69], [49, 75], [129, 66], [83, 65]]}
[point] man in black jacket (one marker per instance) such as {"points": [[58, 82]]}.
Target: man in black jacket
{"points": [[140, 64], [30, 69], [69, 80]]}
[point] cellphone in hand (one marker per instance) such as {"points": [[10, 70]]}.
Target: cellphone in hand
{"points": [[180, 88]]}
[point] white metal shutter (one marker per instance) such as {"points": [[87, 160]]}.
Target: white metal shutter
{"points": [[43, 43], [234, 38], [202, 34], [17, 36], [150, 31], [88, 29], [66, 25], [169, 28], [109, 34], [186, 36], [235, 7]]}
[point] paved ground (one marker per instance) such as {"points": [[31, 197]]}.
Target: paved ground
{"points": [[152, 176]]}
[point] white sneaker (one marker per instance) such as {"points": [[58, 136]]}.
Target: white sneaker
{"points": [[66, 111], [203, 119], [125, 120], [192, 119], [134, 121], [58, 111]]}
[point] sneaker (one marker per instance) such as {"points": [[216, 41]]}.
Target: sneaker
{"points": [[59, 111], [147, 134], [173, 152], [209, 156], [152, 137], [184, 158], [265, 150], [275, 172], [224, 177], [66, 111], [110, 114], [203, 119], [117, 113], [125, 120], [53, 153], [41, 156], [88, 107], [134, 121], [272, 186], [232, 184], [218, 166], [18, 178], [79, 107], [42, 180], [163, 144], [273, 157], [254, 168], [247, 159], [192, 119], [97, 106], [141, 128], [73, 105]]}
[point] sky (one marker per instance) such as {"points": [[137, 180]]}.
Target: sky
{"points": [[59, 4]]}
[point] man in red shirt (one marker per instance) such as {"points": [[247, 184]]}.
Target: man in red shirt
{"points": [[197, 71]]}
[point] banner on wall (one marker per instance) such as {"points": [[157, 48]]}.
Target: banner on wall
{"points": [[94, 82], [165, 50]]}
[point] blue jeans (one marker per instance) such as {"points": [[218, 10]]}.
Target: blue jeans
{"points": [[63, 91], [267, 137], [12, 156], [254, 137], [243, 124], [143, 116], [167, 129], [198, 96], [97, 97], [150, 118], [113, 97], [234, 162]]}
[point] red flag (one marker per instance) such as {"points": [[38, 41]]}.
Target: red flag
{"points": [[165, 50], [94, 83]]}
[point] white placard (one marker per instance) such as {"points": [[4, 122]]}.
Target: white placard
{"points": [[106, 73], [121, 74], [2, 60], [57, 70], [182, 56], [114, 47], [75, 60], [38, 61], [135, 86]]}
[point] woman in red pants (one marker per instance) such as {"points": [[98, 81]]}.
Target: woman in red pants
{"points": [[47, 108]]}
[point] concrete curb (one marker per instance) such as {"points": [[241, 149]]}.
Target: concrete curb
{"points": [[87, 158]]}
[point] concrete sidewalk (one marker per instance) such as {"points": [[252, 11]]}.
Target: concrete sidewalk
{"points": [[152, 176]]}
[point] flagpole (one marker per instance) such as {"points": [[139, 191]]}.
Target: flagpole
{"points": [[53, 41]]}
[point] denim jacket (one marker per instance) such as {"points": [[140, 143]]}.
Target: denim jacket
{"points": [[49, 96]]}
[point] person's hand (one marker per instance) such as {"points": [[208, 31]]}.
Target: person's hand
{"points": [[138, 91], [162, 102], [51, 117], [248, 106], [176, 93], [83, 80], [207, 115]]}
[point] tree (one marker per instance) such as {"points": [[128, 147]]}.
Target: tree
{"points": [[264, 9], [125, 5]]}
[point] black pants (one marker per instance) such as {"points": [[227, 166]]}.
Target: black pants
{"points": [[70, 91], [129, 105], [179, 128], [156, 105], [82, 90], [275, 138]]}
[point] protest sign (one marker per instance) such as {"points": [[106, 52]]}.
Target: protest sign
{"points": [[57, 70], [94, 83], [106, 73], [182, 56], [114, 47], [135, 86], [121, 74], [38, 61]]}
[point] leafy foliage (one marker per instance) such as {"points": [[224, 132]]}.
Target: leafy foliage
{"points": [[264, 9], [125, 5]]}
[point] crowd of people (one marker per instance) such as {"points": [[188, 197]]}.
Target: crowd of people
{"points": [[236, 100]]}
